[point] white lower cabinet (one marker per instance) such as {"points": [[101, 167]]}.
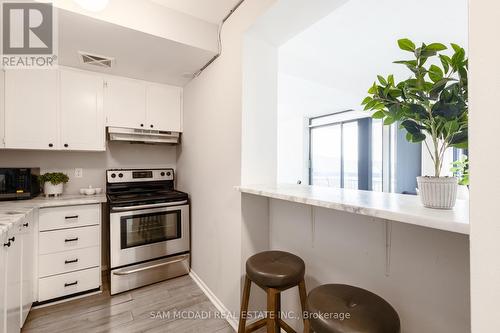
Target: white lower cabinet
{"points": [[69, 251], [27, 234], [69, 283], [12, 248]]}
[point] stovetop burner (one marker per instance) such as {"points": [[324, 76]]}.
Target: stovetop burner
{"points": [[139, 187]]}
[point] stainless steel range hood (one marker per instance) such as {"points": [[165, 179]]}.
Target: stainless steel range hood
{"points": [[142, 136]]}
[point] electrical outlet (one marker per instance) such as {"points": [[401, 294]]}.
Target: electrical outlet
{"points": [[78, 173]]}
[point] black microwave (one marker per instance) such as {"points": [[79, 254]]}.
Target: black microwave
{"points": [[19, 183]]}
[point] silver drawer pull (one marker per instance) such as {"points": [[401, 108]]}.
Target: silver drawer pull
{"points": [[71, 217], [70, 261], [70, 284], [132, 271], [67, 240]]}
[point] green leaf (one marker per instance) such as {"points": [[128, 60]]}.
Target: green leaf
{"points": [[406, 45], [436, 47], [378, 115], [389, 120], [455, 47], [390, 79], [444, 62], [373, 89], [381, 80], [435, 73], [366, 100], [419, 110]]}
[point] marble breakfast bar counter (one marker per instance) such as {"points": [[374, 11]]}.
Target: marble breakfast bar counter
{"points": [[414, 257], [390, 206]]}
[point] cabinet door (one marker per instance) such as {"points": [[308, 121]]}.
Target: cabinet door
{"points": [[31, 115], [28, 263], [82, 118], [13, 284], [163, 107], [125, 103]]}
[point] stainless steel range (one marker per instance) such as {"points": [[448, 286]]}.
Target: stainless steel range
{"points": [[149, 228]]}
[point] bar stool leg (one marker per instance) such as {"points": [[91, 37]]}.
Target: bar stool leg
{"points": [[303, 298], [272, 322], [244, 305]]}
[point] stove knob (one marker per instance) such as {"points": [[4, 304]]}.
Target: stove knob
{"points": [[168, 173], [113, 175], [162, 174], [120, 175]]}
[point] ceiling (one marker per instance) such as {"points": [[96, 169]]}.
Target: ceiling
{"points": [[138, 55], [212, 11]]}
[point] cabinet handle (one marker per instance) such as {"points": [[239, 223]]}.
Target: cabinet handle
{"points": [[142, 125], [26, 225], [13, 239], [71, 239], [6, 244], [152, 126], [66, 145], [70, 261], [51, 145], [71, 284], [71, 217]]}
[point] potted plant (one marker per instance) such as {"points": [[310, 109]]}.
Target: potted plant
{"points": [[460, 169], [53, 182], [432, 106]]}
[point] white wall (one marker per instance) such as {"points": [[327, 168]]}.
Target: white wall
{"points": [[209, 161], [94, 164], [484, 85], [330, 66], [259, 103]]}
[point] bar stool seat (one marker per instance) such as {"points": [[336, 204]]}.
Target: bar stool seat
{"points": [[368, 313], [275, 269]]}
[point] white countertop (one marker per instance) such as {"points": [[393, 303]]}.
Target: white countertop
{"points": [[390, 206], [11, 212]]}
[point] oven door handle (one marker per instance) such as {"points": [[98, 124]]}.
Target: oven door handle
{"points": [[137, 270], [156, 205]]}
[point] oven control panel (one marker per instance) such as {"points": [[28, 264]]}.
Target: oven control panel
{"points": [[138, 175]]}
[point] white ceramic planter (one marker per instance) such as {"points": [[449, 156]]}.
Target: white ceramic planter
{"points": [[49, 189], [438, 192]]}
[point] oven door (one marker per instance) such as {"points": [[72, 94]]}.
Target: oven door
{"points": [[149, 232]]}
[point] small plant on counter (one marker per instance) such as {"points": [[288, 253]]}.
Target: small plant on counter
{"points": [[53, 182], [460, 169], [54, 178], [431, 105]]}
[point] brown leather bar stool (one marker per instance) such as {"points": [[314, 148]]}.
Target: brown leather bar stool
{"points": [[273, 271], [328, 306]]}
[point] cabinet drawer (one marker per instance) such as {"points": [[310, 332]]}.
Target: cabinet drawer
{"points": [[69, 217], [69, 261], [68, 239], [69, 283]]}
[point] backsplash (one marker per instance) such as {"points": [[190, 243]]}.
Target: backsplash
{"points": [[94, 164]]}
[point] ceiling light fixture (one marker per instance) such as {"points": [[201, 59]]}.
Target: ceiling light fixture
{"points": [[92, 5]]}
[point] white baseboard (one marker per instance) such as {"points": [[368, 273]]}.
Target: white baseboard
{"points": [[215, 301]]}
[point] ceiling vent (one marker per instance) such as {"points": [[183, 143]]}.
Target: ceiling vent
{"points": [[96, 60]]}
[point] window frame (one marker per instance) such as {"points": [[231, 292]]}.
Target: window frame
{"points": [[341, 123]]}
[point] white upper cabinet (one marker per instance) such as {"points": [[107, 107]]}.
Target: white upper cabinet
{"points": [[164, 107], [125, 103], [82, 117], [31, 109]]}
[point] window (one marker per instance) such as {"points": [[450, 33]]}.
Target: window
{"points": [[345, 151]]}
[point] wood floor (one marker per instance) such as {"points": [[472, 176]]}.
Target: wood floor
{"points": [[131, 311]]}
